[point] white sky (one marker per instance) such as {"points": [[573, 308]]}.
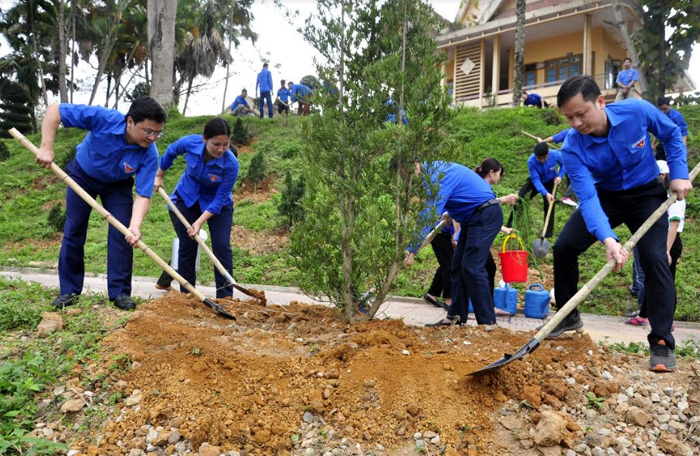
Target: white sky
{"points": [[290, 57]]}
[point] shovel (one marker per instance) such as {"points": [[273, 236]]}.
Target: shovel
{"points": [[585, 290], [541, 246], [118, 225], [220, 267]]}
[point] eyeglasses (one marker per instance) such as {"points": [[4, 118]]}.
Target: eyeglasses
{"points": [[151, 133]]}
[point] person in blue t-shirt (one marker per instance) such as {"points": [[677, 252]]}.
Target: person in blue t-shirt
{"points": [[282, 101], [625, 81], [533, 99], [240, 106], [614, 174], [264, 83], [302, 95], [391, 112], [542, 166], [471, 202], [203, 194], [664, 105], [116, 149]]}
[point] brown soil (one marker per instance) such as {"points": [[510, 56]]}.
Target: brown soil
{"points": [[258, 242], [258, 193], [247, 385]]}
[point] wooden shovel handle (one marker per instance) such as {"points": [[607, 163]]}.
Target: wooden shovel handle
{"points": [[538, 139], [109, 217], [549, 211]]}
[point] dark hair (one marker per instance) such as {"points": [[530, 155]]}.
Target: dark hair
{"points": [[290, 82], [215, 127], [488, 165], [146, 108], [626, 59], [663, 101], [265, 65], [283, 81], [233, 150], [585, 85], [244, 90], [541, 149]]}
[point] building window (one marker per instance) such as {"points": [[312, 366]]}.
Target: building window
{"points": [[558, 70], [530, 75]]}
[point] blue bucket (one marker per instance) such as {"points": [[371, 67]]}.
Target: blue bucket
{"points": [[506, 298]]}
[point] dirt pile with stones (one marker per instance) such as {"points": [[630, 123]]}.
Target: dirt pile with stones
{"points": [[295, 380]]}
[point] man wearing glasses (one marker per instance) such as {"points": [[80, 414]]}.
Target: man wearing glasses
{"points": [[116, 150]]}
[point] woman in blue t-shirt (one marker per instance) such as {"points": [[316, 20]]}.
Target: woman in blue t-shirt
{"points": [[203, 194]]}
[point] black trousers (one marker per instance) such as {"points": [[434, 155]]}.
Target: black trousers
{"points": [[442, 283], [529, 187], [631, 207], [676, 250]]}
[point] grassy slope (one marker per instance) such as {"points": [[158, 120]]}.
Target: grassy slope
{"points": [[27, 193]]}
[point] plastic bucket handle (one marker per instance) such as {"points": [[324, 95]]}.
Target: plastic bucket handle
{"points": [[536, 286], [513, 236]]}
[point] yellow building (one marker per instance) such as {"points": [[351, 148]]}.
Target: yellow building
{"points": [[563, 38]]}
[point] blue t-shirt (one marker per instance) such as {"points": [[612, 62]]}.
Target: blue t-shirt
{"points": [[104, 154], [545, 172], [209, 183], [533, 100], [461, 191], [627, 76], [561, 136], [283, 94], [679, 120], [621, 161], [299, 91], [391, 115], [240, 100], [264, 81]]}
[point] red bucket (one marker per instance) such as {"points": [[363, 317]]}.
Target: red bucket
{"points": [[514, 262]]}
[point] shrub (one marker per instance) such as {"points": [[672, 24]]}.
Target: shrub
{"points": [[290, 150], [257, 169], [57, 218], [240, 133], [290, 204]]}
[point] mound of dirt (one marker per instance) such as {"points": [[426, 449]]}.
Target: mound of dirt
{"points": [[248, 385]]}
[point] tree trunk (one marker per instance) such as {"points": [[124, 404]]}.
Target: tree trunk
{"points": [[62, 51], [35, 49], [187, 97], [72, 49], [106, 50], [109, 87], [228, 64], [519, 51], [161, 39], [145, 70]]}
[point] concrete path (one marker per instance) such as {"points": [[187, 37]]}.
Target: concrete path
{"points": [[413, 311]]}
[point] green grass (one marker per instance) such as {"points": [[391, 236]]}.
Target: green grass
{"points": [[28, 192], [30, 366]]}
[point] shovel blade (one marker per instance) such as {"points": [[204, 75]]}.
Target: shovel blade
{"points": [[541, 248], [218, 309], [507, 359]]}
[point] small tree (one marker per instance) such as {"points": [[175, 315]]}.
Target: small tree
{"points": [[289, 206], [360, 214], [57, 218], [257, 170], [4, 151], [240, 133], [15, 109], [310, 81]]}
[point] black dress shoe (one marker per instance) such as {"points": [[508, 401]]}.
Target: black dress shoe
{"points": [[444, 323], [435, 302], [124, 302], [65, 300]]}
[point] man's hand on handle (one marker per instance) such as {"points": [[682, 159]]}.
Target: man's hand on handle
{"points": [[45, 156], [680, 187], [613, 249]]}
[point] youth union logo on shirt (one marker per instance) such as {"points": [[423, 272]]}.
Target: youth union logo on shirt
{"points": [[128, 168], [214, 178], [640, 143]]}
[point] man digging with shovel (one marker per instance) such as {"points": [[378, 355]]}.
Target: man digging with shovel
{"points": [[611, 164]]}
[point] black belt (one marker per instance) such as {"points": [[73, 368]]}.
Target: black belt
{"points": [[488, 203]]}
